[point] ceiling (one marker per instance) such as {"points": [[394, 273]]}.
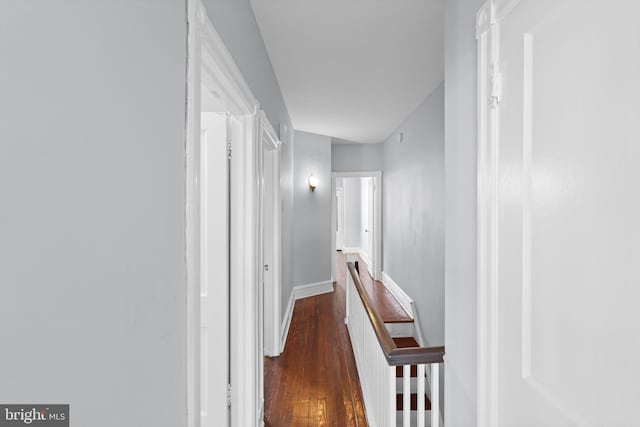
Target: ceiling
{"points": [[353, 69]]}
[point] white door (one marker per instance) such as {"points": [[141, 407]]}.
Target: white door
{"points": [[367, 222], [564, 339], [339, 219], [214, 280], [371, 227], [270, 251]]}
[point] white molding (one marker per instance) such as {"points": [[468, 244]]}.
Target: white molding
{"points": [[485, 18], [313, 289], [487, 216], [417, 327], [351, 251], [399, 294], [504, 7], [210, 62], [365, 257], [359, 252], [220, 67], [260, 419], [271, 138], [300, 292], [286, 321], [192, 221]]}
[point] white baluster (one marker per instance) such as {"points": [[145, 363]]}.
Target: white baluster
{"points": [[393, 410], [421, 380], [435, 395], [406, 396]]}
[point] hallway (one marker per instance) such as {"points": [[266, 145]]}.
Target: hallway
{"points": [[314, 382]]}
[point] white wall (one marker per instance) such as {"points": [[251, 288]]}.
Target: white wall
{"points": [[352, 212], [92, 276], [413, 212], [235, 22], [286, 206], [312, 210], [355, 157], [460, 188]]}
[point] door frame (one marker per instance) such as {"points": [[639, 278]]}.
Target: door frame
{"points": [[270, 151], [488, 82], [377, 246], [209, 61]]}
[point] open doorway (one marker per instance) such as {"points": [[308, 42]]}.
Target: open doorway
{"points": [[223, 305], [356, 218]]}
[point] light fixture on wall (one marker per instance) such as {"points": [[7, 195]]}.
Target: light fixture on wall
{"points": [[313, 182]]}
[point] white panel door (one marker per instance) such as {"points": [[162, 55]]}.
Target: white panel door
{"points": [[370, 226], [214, 296], [271, 340], [339, 219], [567, 224]]}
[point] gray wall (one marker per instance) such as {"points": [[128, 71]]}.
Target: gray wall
{"points": [[413, 212], [460, 188], [235, 22], [92, 276], [286, 202], [352, 212], [356, 157], [312, 210]]}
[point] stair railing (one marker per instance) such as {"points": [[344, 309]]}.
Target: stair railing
{"points": [[377, 358]]}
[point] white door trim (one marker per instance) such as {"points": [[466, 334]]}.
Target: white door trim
{"points": [[487, 214], [377, 249], [209, 61], [271, 143]]}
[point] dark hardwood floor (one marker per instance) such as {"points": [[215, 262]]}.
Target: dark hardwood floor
{"points": [[314, 382]]}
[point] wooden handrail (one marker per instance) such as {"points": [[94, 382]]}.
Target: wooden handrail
{"points": [[394, 355]]}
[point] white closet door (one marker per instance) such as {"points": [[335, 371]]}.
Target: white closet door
{"points": [[214, 249], [566, 326]]}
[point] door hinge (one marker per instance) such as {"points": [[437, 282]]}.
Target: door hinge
{"points": [[229, 137], [228, 395], [496, 88]]}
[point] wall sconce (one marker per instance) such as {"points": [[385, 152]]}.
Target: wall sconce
{"points": [[313, 182]]}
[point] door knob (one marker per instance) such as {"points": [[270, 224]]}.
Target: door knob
{"points": [[266, 267]]}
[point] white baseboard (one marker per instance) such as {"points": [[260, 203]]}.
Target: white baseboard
{"points": [[299, 292], [351, 251], [402, 297], [359, 252], [365, 258], [312, 289], [416, 322], [260, 420], [286, 322], [407, 303]]}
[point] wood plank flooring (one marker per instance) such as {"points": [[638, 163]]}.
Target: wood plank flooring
{"points": [[315, 382]]}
